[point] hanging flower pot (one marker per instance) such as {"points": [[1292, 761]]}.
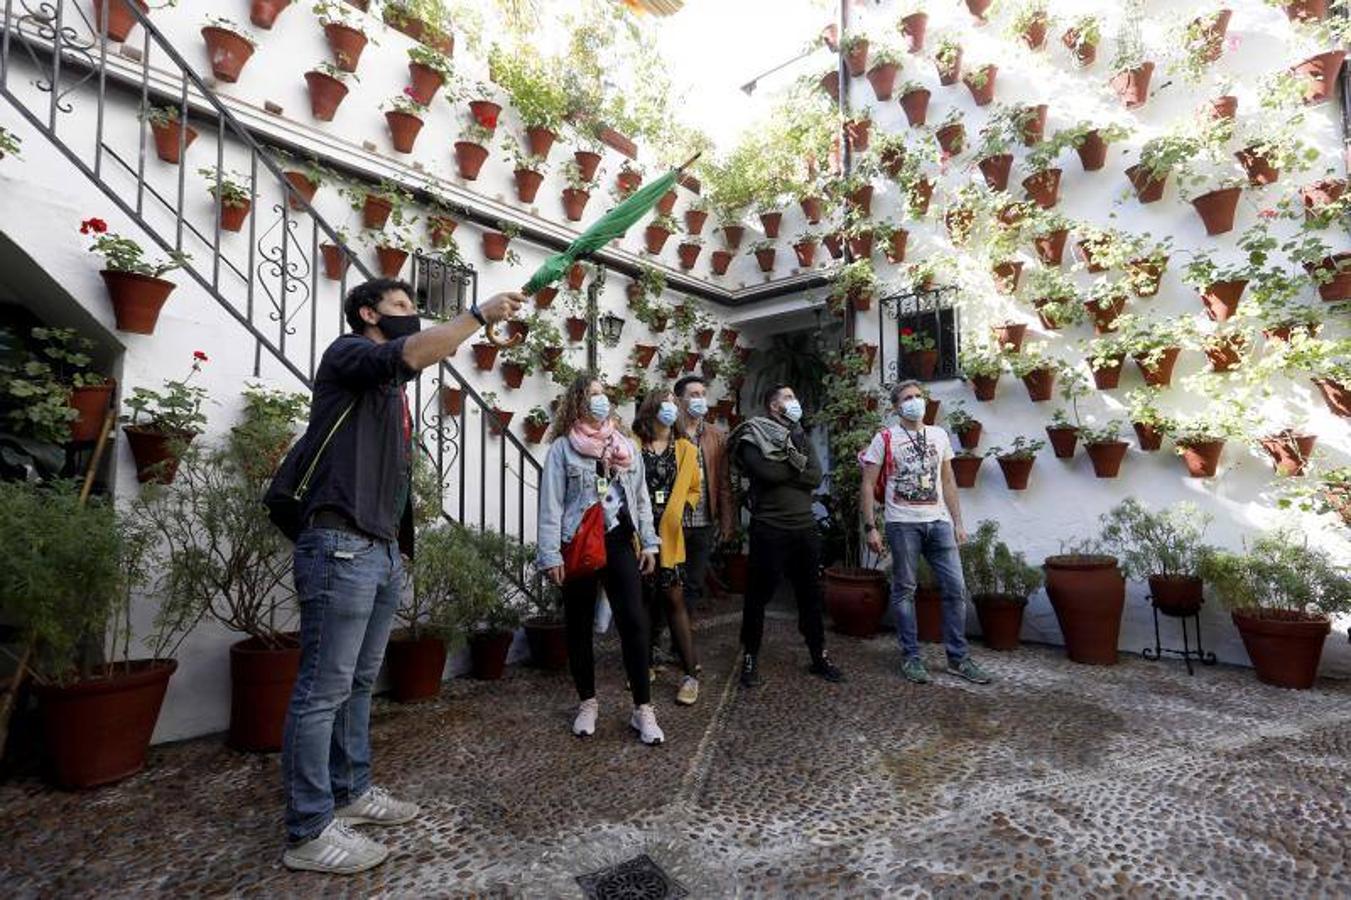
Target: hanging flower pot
{"points": [[227, 51], [335, 260], [1290, 451], [587, 164], [1223, 108], [1043, 188], [1145, 275], [1160, 373], [861, 300], [541, 141], [856, 58], [550, 357], [1217, 209], [985, 387], [949, 68], [375, 211], [1017, 471], [861, 245], [695, 220], [574, 203], [528, 184], [1149, 437], [403, 130], [136, 298], [895, 249], [1225, 353], [628, 181], [952, 138], [1085, 54], [485, 356], [728, 337], [811, 209], [765, 258], [689, 255], [452, 401], [499, 420], [654, 238], [1107, 458], [1202, 457], [978, 8], [1306, 10], [90, 403], [1147, 189], [830, 83], [914, 27], [1213, 38], [1319, 75], [720, 262], [996, 170], [1132, 86], [1006, 276], [1088, 594], [1221, 298], [1104, 318], [119, 18], [883, 79], [167, 136], [806, 253], [576, 276], [1050, 247], [1034, 32], [346, 44], [770, 222], [981, 84], [704, 338], [922, 363], [423, 82], [326, 94], [1333, 276], [969, 437], [1063, 441], [732, 236], [1040, 384], [931, 410], [1318, 196], [303, 190], [1034, 124], [495, 245], [1092, 151], [469, 159], [834, 244], [965, 468], [1336, 395], [920, 195], [486, 113], [513, 375], [576, 328], [1259, 168], [545, 296], [391, 260], [691, 360], [440, 229], [915, 102], [1107, 378], [1009, 336], [263, 13], [156, 452]]}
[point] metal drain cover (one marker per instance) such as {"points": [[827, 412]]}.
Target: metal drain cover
{"points": [[636, 879]]}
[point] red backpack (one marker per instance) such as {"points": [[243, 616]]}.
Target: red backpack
{"points": [[884, 474]]}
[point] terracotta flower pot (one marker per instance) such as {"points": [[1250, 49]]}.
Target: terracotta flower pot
{"points": [[1147, 189], [1050, 247], [1010, 335], [261, 681], [1107, 458], [722, 259], [326, 95], [587, 163], [167, 139], [527, 184], [375, 211], [534, 431], [424, 82], [1034, 125], [922, 363], [856, 600], [1017, 471], [540, 140], [488, 654], [830, 83], [1040, 384], [996, 170], [1146, 276], [1336, 395], [806, 253], [1258, 168], [576, 328], [628, 182], [856, 59], [1104, 319], [485, 356], [969, 437], [861, 200], [234, 214], [263, 13], [452, 401], [1034, 34], [576, 276], [895, 249], [929, 614], [91, 406], [1217, 209], [1088, 595], [985, 387], [654, 239], [1221, 298], [441, 229], [982, 88], [883, 79], [403, 130], [732, 236], [1064, 441], [1043, 188], [914, 27], [1132, 87], [495, 245], [704, 338], [920, 196], [391, 260], [415, 667], [770, 221], [1108, 377], [1092, 152], [834, 244], [811, 209], [1226, 354], [346, 44], [550, 357], [120, 20], [548, 643], [1221, 108], [97, 731], [1202, 458], [1159, 374], [486, 113], [695, 220], [1001, 619], [951, 138], [469, 159], [1306, 10], [335, 260], [1176, 595], [861, 245], [1319, 75], [1333, 275], [1285, 647], [950, 72], [916, 106], [545, 296], [861, 301], [227, 51], [304, 190], [965, 469], [513, 375], [1148, 436], [859, 132], [1290, 451], [689, 255], [1084, 54], [137, 299], [499, 420], [1007, 275], [574, 203], [1318, 196], [766, 258]]}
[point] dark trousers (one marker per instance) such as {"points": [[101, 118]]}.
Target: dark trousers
{"points": [[698, 548], [776, 552], [624, 590]]}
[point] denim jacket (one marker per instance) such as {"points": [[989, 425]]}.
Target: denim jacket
{"points": [[567, 489]]}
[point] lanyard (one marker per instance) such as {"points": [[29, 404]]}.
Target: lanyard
{"points": [[920, 445]]}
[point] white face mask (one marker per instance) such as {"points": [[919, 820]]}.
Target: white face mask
{"points": [[698, 407], [792, 411], [600, 407], [667, 414], [912, 408]]}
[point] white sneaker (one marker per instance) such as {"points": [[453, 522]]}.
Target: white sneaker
{"points": [[688, 694], [338, 850], [377, 807], [585, 723], [644, 721]]}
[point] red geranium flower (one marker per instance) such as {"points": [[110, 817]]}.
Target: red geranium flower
{"points": [[97, 226], [199, 356], [487, 118], [1267, 214], [906, 332]]}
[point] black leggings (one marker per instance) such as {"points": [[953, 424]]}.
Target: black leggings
{"points": [[622, 587], [664, 599]]}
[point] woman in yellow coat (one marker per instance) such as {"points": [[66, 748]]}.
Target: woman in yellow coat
{"points": [[671, 465]]}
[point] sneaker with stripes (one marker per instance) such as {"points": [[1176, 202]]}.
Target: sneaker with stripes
{"points": [[377, 807], [338, 850]]}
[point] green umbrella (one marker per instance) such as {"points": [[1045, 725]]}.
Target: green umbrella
{"points": [[607, 228]]}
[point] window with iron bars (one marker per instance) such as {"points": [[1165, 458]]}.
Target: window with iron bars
{"points": [[443, 288], [932, 313]]}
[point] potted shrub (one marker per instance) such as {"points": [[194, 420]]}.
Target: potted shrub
{"points": [[1105, 448], [172, 135], [161, 425], [342, 29], [487, 610], [1000, 582], [135, 286], [1082, 39], [1147, 419], [1131, 71], [1088, 594], [1282, 594], [228, 48], [1163, 548], [983, 368], [1016, 461], [233, 196]]}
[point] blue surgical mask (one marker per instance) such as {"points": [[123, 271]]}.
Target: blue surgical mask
{"points": [[600, 407], [792, 410], [667, 414], [913, 408], [698, 407]]}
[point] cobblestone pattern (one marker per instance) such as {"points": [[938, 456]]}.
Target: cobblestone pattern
{"points": [[1058, 780]]}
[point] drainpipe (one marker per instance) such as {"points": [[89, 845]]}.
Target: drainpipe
{"points": [[846, 155], [593, 320], [1344, 99]]}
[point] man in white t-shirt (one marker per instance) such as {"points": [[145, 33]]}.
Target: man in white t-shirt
{"points": [[923, 516]]}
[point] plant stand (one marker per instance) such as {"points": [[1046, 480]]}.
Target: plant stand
{"points": [[1156, 652]]}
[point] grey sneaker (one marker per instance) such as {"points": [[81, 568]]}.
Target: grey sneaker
{"points": [[967, 668], [913, 670], [338, 850], [377, 807]]}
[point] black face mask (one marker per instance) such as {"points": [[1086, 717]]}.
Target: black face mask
{"points": [[399, 326]]}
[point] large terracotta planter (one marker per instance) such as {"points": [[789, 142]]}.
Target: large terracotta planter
{"points": [[227, 51], [488, 654], [1132, 86], [1319, 74], [1217, 209], [403, 130], [916, 106], [97, 731], [263, 13], [548, 644], [1107, 458], [1336, 395], [1001, 619], [856, 600], [1159, 374], [1180, 595], [1043, 188], [346, 44], [469, 159], [1148, 189], [1017, 471], [120, 20], [137, 299], [167, 138], [261, 681], [1285, 647], [1088, 594], [1221, 298], [326, 95], [1289, 451], [415, 667], [965, 469], [1202, 458]]}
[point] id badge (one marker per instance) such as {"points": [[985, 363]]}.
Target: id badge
{"points": [[602, 485], [926, 482], [659, 498]]}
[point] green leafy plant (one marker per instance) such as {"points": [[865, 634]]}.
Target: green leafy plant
{"points": [[981, 363], [1144, 409], [991, 568], [122, 254], [1021, 448], [35, 386], [1279, 575], [175, 410], [1095, 435], [1166, 543], [9, 143]]}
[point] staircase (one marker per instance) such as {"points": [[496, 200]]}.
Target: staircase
{"points": [[87, 96]]}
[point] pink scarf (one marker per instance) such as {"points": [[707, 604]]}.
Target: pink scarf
{"points": [[602, 442]]}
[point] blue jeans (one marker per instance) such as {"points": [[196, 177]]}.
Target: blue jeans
{"points": [[348, 588], [937, 541]]}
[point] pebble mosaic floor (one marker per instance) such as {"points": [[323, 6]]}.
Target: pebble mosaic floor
{"points": [[1057, 780]]}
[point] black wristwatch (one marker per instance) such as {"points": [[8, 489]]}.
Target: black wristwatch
{"points": [[478, 314]]}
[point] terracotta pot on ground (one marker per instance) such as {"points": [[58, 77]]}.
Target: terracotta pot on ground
{"points": [[1050, 247], [1319, 74], [929, 614], [304, 192], [1222, 297], [1160, 374], [261, 680], [1107, 458], [916, 106], [922, 363], [1092, 152], [1290, 451], [856, 600], [914, 27], [167, 139], [1063, 441], [1176, 595], [883, 79], [263, 13], [1148, 436], [732, 236], [227, 51], [335, 260], [1285, 646], [120, 19], [1001, 619], [895, 249], [689, 255], [1147, 189], [806, 253], [1108, 377], [137, 299], [469, 159], [495, 245], [1202, 458], [1336, 395], [346, 44], [488, 654], [375, 211], [996, 170], [97, 731], [415, 667], [1040, 384], [965, 469], [548, 644], [1132, 87], [654, 239], [721, 261], [985, 387], [1088, 594], [1217, 209], [574, 203], [1043, 188], [981, 84], [391, 260], [1010, 333], [1017, 471], [969, 438]]}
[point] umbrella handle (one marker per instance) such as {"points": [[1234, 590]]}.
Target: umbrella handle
{"points": [[511, 340]]}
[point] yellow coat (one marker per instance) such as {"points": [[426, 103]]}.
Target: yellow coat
{"points": [[684, 493]]}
